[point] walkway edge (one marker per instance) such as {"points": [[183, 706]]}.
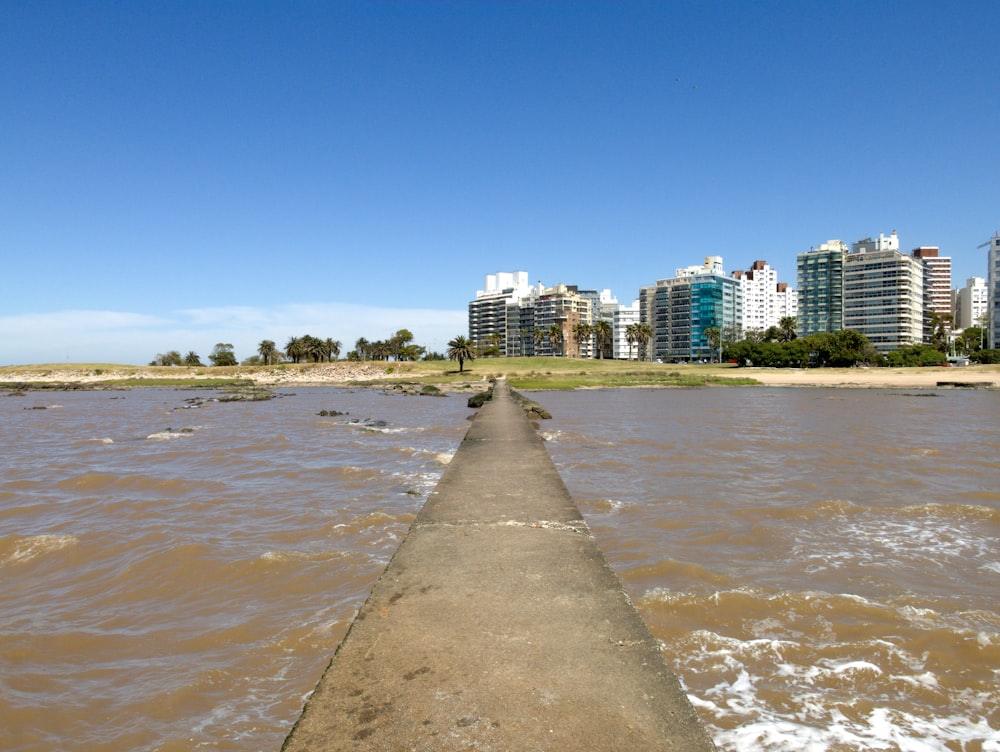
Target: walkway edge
{"points": [[498, 625]]}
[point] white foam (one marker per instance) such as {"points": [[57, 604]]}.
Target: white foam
{"points": [[34, 546]]}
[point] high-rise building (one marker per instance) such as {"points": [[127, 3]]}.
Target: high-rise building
{"points": [[971, 303], [765, 300], [993, 304], [623, 317], [787, 303], [884, 294], [937, 289], [680, 311], [820, 279], [563, 306], [488, 312]]}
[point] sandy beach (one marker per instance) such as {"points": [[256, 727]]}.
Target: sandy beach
{"points": [[876, 377], [345, 372]]}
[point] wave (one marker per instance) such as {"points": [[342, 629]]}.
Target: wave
{"points": [[777, 670], [93, 483], [18, 549], [835, 508]]}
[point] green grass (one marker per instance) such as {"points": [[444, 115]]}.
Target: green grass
{"points": [[570, 373], [522, 373]]}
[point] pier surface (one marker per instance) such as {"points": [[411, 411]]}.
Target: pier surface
{"points": [[498, 625]]}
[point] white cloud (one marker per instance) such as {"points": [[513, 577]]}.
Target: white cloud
{"points": [[125, 337]]}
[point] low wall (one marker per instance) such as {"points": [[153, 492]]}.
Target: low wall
{"points": [[498, 625]]}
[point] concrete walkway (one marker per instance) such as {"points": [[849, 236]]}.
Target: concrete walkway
{"points": [[498, 625]]}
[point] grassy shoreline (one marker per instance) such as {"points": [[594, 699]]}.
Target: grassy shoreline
{"points": [[523, 373]]}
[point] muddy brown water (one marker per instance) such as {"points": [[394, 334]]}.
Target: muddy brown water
{"points": [[822, 566]]}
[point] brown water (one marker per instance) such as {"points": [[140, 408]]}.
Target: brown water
{"points": [[822, 566]]}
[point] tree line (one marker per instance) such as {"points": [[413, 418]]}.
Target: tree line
{"points": [[780, 347], [306, 349]]}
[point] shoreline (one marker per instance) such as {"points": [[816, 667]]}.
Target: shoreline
{"points": [[345, 373]]}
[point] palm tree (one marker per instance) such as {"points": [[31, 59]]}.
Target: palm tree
{"points": [[192, 359], [787, 325], [461, 349], [555, 335], [295, 348], [602, 329], [583, 332], [631, 336], [644, 333], [362, 347], [268, 351], [315, 348], [714, 337], [539, 335], [494, 339], [333, 348]]}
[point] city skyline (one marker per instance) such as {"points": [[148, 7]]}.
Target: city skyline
{"points": [[182, 175]]}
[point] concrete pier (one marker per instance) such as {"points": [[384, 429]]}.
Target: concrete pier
{"points": [[498, 625]]}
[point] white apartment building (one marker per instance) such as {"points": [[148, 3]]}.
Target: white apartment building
{"points": [[488, 312], [712, 265], [937, 287], [765, 300], [881, 243], [787, 302], [623, 316], [884, 294], [971, 303]]}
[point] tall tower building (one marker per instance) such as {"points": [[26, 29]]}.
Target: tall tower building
{"points": [[765, 300], [820, 279], [884, 294], [937, 287], [993, 304], [681, 309], [971, 303], [489, 311]]}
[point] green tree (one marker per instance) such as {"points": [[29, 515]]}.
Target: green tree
{"points": [[172, 358], [222, 355], [713, 335], [631, 336], [295, 349], [398, 341], [493, 349], [363, 348], [970, 340], [940, 325], [990, 357], [333, 348], [644, 333], [843, 348], [915, 355], [192, 359], [461, 349], [539, 337], [315, 348], [602, 331], [788, 325], [583, 332], [555, 335], [268, 351]]}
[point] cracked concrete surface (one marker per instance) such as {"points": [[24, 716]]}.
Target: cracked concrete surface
{"points": [[498, 625]]}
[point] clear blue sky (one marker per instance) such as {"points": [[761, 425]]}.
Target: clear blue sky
{"points": [[177, 174]]}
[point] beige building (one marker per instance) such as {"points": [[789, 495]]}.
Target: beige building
{"points": [[884, 293], [937, 287]]}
